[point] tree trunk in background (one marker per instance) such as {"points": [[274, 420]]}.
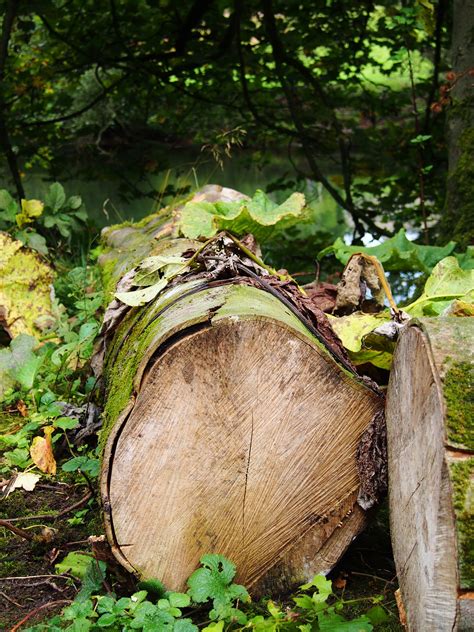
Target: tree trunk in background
{"points": [[458, 219], [430, 416], [230, 427]]}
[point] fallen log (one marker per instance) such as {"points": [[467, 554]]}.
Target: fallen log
{"points": [[431, 472], [233, 417]]}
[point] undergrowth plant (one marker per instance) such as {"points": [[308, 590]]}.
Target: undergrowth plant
{"points": [[40, 376], [43, 225], [212, 603]]}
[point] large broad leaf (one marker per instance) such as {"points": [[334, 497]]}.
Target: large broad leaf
{"points": [[446, 283], [396, 253], [259, 216], [55, 197]]}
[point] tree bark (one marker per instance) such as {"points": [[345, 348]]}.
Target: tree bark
{"points": [[231, 425], [458, 219], [431, 472]]}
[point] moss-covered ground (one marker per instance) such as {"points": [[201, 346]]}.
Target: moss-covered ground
{"points": [[27, 572]]}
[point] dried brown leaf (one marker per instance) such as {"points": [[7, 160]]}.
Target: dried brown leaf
{"points": [[41, 452]]}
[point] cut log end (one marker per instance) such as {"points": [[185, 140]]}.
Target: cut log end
{"points": [[431, 474], [242, 441]]}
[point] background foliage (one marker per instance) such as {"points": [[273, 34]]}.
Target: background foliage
{"points": [[346, 93]]}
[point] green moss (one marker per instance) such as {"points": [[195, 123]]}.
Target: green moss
{"points": [[459, 398], [462, 479], [108, 264]]}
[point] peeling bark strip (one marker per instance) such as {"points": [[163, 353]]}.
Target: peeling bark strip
{"points": [[430, 417], [232, 419]]}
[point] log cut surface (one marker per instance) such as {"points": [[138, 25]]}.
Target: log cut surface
{"points": [[242, 441], [431, 473], [233, 416]]}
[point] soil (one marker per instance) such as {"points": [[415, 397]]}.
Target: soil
{"points": [[367, 569], [31, 564]]}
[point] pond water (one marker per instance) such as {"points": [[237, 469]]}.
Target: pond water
{"points": [[114, 194]]}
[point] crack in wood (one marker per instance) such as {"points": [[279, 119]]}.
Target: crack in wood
{"points": [[249, 456]]}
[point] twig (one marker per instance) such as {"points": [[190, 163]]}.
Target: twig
{"points": [[76, 505], [15, 603], [4, 579], [16, 530], [18, 625]]}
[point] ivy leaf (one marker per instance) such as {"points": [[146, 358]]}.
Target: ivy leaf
{"points": [[55, 197], [396, 253]]}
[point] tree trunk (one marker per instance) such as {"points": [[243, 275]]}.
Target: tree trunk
{"points": [[431, 472], [232, 423], [458, 219]]}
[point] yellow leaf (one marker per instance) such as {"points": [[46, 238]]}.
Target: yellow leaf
{"points": [[29, 210], [41, 452], [32, 208]]}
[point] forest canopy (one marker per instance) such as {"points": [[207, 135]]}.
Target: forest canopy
{"points": [[354, 94]]}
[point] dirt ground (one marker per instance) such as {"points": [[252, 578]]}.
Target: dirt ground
{"points": [[29, 583]]}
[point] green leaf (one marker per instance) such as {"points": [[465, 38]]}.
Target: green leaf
{"points": [[329, 621], [396, 253], [186, 625], [466, 259], [106, 620], [93, 579], [74, 563], [213, 581], [377, 615], [446, 283], [8, 207], [82, 464], [74, 202], [143, 296], [55, 197], [33, 240], [19, 457], [259, 216], [179, 600], [304, 602], [66, 423], [421, 138], [27, 372]]}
